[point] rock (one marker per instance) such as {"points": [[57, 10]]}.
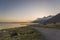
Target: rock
{"points": [[12, 34]]}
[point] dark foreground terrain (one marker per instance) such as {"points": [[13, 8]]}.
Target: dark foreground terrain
{"points": [[22, 33]]}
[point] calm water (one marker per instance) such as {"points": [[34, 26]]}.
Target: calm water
{"points": [[12, 25]]}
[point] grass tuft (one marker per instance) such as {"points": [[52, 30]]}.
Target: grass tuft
{"points": [[24, 33]]}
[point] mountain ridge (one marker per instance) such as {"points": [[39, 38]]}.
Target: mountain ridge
{"points": [[55, 19], [42, 20]]}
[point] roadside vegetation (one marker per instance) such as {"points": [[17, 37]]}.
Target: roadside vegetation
{"points": [[52, 25], [20, 33]]}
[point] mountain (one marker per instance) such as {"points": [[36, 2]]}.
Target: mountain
{"points": [[42, 20], [54, 19]]}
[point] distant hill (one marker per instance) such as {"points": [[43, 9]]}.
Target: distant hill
{"points": [[42, 20], [55, 19]]}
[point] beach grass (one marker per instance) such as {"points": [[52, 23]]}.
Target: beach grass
{"points": [[57, 25], [22, 33]]}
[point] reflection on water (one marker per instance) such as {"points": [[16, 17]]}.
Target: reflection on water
{"points": [[12, 25]]}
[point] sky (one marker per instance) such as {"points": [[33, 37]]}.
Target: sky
{"points": [[27, 10]]}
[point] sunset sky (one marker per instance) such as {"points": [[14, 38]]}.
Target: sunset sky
{"points": [[27, 10]]}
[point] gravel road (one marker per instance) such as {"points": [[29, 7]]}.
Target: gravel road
{"points": [[49, 33]]}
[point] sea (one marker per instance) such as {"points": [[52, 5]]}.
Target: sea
{"points": [[5, 25]]}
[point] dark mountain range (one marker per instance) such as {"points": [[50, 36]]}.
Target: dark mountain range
{"points": [[54, 19], [42, 20]]}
